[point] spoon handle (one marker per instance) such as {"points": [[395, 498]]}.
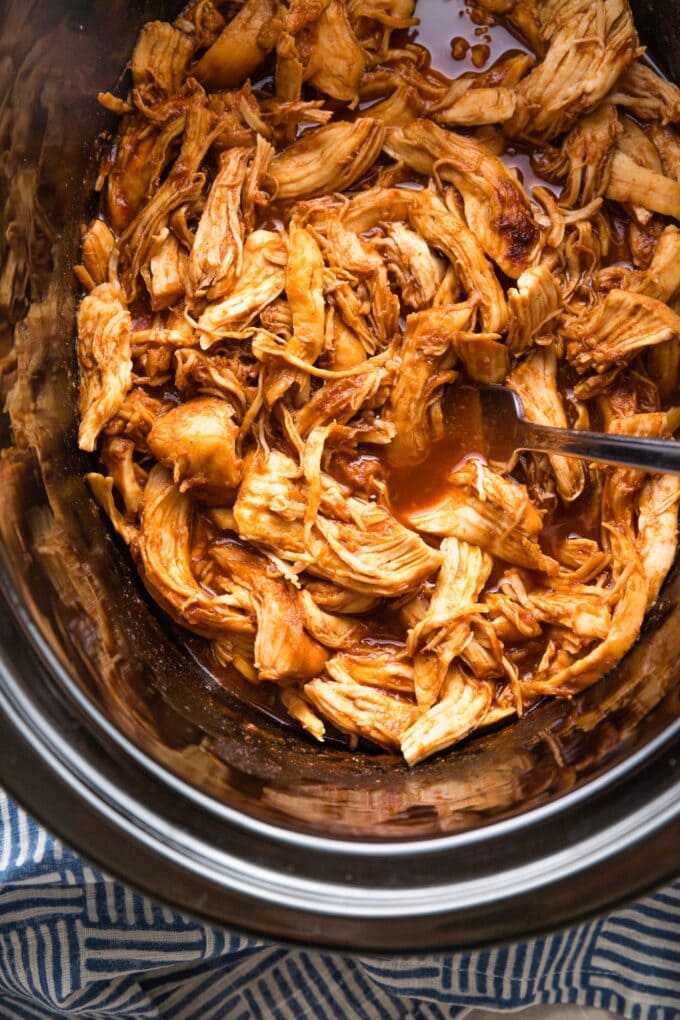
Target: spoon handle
{"points": [[654, 455]]}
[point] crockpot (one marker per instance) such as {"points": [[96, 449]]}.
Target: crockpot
{"points": [[114, 737]]}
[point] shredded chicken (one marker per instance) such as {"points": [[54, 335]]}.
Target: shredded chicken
{"points": [[197, 440], [429, 337], [535, 380], [331, 158], [311, 244], [590, 43], [103, 358], [496, 207], [485, 509], [444, 631]]}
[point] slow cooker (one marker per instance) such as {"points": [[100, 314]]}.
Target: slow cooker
{"points": [[118, 741]]}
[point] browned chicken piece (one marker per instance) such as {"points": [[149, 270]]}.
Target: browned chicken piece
{"points": [[667, 142], [303, 13], [197, 441], [340, 400], [171, 331], [159, 62], [535, 382], [182, 185], [333, 598], [253, 197], [334, 61], [114, 104], [580, 257], [661, 280], [663, 366], [590, 43], [329, 629], [131, 170], [496, 207], [616, 328], [657, 538], [467, 106], [385, 666], [446, 230], [262, 279], [352, 542], [164, 548], [349, 254], [495, 513], [97, 247], [647, 96], [349, 542], [582, 609], [135, 418], [344, 349], [507, 71], [386, 15], [484, 657], [211, 375], [532, 304], [166, 276], [288, 72], [650, 424], [363, 711], [241, 48], [636, 143], [511, 618], [445, 629], [217, 255], [352, 309], [299, 708], [415, 270], [400, 108], [235, 112], [102, 490], [117, 457], [284, 651], [461, 709], [236, 651], [304, 290], [287, 117], [271, 503], [367, 209], [587, 154], [630, 182], [428, 338], [103, 358], [486, 360], [202, 20], [628, 613], [329, 158]]}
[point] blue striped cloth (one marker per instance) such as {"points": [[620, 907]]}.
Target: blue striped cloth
{"points": [[76, 943]]}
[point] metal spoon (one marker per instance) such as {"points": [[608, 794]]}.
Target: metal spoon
{"points": [[505, 432]]}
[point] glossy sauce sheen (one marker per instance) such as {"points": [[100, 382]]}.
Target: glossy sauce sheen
{"points": [[442, 21], [417, 486]]}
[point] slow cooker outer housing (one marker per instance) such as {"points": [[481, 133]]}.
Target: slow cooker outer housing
{"points": [[116, 741]]}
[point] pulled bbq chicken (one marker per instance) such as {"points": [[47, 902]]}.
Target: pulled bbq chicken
{"points": [[311, 244]]}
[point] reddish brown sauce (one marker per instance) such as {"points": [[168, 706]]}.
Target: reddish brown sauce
{"points": [[520, 160], [417, 486], [580, 520], [447, 20]]}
